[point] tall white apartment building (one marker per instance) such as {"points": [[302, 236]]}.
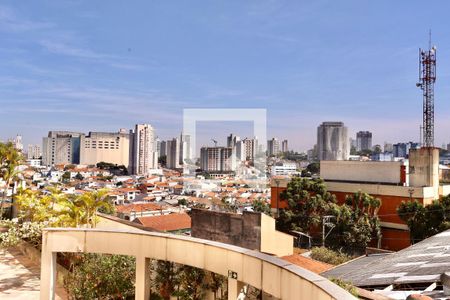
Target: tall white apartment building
{"points": [[185, 148], [145, 156], [110, 147], [18, 142], [34, 152]]}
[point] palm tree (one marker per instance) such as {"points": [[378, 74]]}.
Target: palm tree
{"points": [[10, 159], [71, 213], [90, 203]]}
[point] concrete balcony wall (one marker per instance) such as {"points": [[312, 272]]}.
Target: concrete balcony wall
{"points": [[274, 276]]}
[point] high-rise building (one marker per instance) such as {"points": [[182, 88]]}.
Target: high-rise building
{"points": [[402, 149], [61, 147], [145, 156], [273, 147], [251, 148], [18, 142], [163, 148], [284, 146], [216, 159], [109, 147], [173, 153], [34, 152], [388, 147], [332, 141], [363, 140], [232, 140], [185, 149], [240, 151]]}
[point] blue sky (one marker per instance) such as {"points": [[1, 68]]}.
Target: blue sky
{"points": [[105, 65]]}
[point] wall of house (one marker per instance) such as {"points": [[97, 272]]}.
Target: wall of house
{"points": [[230, 228], [272, 241]]}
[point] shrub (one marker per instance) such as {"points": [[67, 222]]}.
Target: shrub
{"points": [[96, 276], [27, 231], [329, 256], [346, 286]]}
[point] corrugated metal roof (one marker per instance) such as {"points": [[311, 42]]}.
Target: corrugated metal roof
{"points": [[423, 262]]}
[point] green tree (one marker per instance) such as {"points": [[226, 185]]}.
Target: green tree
{"points": [[356, 221], [425, 221], [167, 278], [10, 159], [79, 177], [91, 202], [97, 276], [313, 168], [65, 177], [163, 160], [259, 205], [192, 285], [307, 201]]}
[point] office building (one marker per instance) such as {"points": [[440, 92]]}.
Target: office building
{"points": [[145, 156], [216, 159], [109, 147], [61, 147], [332, 141], [363, 140]]}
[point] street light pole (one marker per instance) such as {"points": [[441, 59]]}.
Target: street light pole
{"points": [[326, 221]]}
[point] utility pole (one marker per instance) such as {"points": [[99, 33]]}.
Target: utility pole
{"points": [[326, 222]]}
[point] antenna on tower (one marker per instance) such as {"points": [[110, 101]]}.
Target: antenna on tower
{"points": [[427, 78], [429, 39]]}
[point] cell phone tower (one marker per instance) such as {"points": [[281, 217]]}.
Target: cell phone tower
{"points": [[427, 78]]}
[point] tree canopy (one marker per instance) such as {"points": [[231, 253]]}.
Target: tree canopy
{"points": [[355, 222], [425, 221]]}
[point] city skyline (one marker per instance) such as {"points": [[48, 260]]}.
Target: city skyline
{"points": [[305, 63]]}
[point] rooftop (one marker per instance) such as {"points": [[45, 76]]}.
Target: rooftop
{"points": [[170, 222], [422, 263]]}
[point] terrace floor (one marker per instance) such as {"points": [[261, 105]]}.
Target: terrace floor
{"points": [[19, 277]]}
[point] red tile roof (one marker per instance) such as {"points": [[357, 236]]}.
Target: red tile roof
{"points": [[307, 263], [138, 207], [171, 222]]}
